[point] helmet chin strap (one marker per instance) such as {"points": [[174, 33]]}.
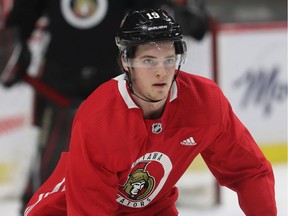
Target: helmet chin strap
{"points": [[129, 81], [147, 100]]}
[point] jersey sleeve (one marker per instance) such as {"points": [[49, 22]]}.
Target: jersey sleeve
{"points": [[49, 199], [91, 187], [237, 162]]}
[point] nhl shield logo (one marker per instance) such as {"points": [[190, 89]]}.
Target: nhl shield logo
{"points": [[157, 128]]}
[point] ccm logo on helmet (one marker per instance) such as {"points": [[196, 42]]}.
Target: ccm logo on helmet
{"points": [[157, 27]]}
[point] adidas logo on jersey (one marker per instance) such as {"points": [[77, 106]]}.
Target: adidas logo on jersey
{"points": [[188, 142]]}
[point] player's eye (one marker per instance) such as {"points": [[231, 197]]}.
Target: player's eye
{"points": [[170, 61], [149, 61]]}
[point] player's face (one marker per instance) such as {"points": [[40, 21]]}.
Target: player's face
{"points": [[152, 69]]}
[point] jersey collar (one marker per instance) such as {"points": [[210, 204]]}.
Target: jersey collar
{"points": [[127, 98]]}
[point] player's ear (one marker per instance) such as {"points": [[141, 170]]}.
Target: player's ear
{"points": [[124, 62], [121, 62]]}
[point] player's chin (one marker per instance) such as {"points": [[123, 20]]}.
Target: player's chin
{"points": [[160, 96]]}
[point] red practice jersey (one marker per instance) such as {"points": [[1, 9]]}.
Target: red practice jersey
{"points": [[122, 164]]}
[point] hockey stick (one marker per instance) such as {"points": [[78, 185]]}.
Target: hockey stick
{"points": [[47, 91]]}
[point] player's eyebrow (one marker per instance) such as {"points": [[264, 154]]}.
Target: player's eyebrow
{"points": [[154, 57], [148, 56]]}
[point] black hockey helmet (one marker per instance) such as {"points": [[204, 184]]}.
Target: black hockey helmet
{"points": [[149, 25]]}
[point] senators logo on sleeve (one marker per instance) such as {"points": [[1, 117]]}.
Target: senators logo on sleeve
{"points": [[145, 180]]}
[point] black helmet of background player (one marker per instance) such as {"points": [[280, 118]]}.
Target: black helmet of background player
{"points": [[149, 25]]}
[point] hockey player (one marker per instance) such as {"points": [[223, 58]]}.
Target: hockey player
{"points": [[135, 135]]}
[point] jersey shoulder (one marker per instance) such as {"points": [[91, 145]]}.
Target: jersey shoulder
{"points": [[109, 126], [106, 98], [189, 80], [202, 97]]}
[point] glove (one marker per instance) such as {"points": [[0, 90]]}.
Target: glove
{"points": [[18, 60]]}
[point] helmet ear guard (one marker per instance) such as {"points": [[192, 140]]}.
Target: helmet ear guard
{"points": [[181, 49]]}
